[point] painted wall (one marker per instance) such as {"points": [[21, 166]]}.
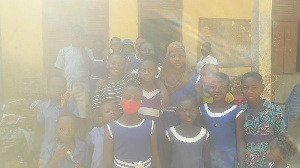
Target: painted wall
{"points": [[193, 10], [284, 85], [21, 43], [123, 19]]}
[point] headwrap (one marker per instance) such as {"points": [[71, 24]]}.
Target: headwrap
{"points": [[175, 80]]}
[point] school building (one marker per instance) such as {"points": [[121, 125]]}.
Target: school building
{"points": [[259, 35]]}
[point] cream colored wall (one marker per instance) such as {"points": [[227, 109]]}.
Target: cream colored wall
{"points": [[284, 85], [193, 10], [21, 42], [123, 19]]}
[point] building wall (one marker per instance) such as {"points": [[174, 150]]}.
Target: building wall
{"points": [[193, 10], [21, 43], [123, 19]]}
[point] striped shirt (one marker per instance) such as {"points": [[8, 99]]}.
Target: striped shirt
{"points": [[112, 92]]}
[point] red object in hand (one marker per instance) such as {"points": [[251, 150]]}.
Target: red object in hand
{"points": [[238, 100]]}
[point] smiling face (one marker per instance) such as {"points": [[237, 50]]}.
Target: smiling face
{"points": [[187, 112], [177, 58], [116, 65], [127, 49], [252, 88], [148, 70], [218, 89]]}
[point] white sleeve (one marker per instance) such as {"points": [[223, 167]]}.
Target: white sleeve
{"points": [[60, 61], [109, 130]]}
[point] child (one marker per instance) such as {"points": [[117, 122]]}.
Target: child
{"points": [[115, 45], [208, 73], [187, 145], [49, 111], [99, 67], [225, 125], [263, 120], [206, 57], [66, 151], [130, 141], [151, 105], [127, 48], [280, 149], [106, 114], [146, 50]]}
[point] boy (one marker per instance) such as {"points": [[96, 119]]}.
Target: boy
{"points": [[49, 111], [115, 45], [206, 57]]}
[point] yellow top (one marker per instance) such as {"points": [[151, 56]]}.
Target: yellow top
{"points": [[208, 99]]}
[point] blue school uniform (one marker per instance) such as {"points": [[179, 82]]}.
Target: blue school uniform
{"points": [[47, 115], [187, 152], [169, 117], [132, 144], [134, 62], [221, 127], [98, 71], [95, 141], [80, 154]]}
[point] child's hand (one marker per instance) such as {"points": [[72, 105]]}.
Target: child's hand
{"points": [[60, 152], [64, 99], [78, 165], [101, 83]]}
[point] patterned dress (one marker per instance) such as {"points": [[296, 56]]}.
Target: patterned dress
{"points": [[259, 130]]}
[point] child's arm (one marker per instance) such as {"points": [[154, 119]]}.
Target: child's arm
{"points": [[168, 150], [108, 149], [164, 96], [206, 153], [155, 159], [239, 125], [64, 101]]}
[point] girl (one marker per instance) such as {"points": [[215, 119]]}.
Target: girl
{"points": [[263, 120], [225, 124], [146, 50], [106, 114], [67, 151], [187, 145], [179, 80], [151, 105], [280, 149], [130, 141]]}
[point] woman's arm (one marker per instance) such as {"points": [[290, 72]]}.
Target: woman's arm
{"points": [[164, 96], [108, 149], [154, 152], [239, 125]]}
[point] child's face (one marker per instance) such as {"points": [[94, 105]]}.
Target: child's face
{"points": [[56, 88], [147, 50], [252, 89], [109, 112], [116, 45], [127, 49], [177, 58], [116, 65], [66, 129], [207, 75], [273, 153], [132, 93], [218, 89], [148, 71], [187, 112]]}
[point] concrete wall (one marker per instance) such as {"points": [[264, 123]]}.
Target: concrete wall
{"points": [[284, 85], [123, 19], [21, 43]]}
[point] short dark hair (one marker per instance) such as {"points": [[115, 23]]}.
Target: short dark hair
{"points": [[97, 112], [99, 40], [224, 77], [116, 38], [211, 67], [50, 78], [286, 145], [116, 54], [128, 85], [153, 60], [187, 98], [70, 115], [206, 44], [254, 75]]}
